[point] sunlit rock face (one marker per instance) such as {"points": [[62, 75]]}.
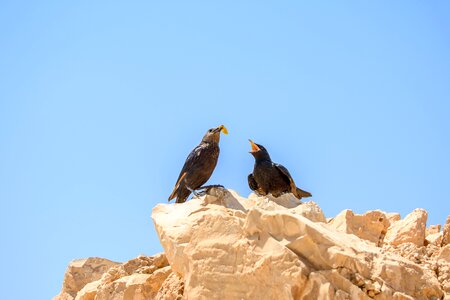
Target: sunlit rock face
{"points": [[224, 246]]}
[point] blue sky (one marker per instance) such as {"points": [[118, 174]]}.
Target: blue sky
{"points": [[100, 103]]}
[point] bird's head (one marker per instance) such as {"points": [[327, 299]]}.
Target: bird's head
{"points": [[258, 151], [213, 134]]}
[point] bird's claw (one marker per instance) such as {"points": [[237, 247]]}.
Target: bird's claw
{"points": [[208, 187], [196, 194], [201, 193]]}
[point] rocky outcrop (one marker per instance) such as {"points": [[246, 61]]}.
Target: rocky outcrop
{"points": [[409, 230], [80, 272], [446, 233], [224, 246], [145, 277], [371, 226]]}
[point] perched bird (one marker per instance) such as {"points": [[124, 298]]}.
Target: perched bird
{"points": [[199, 165], [269, 177]]}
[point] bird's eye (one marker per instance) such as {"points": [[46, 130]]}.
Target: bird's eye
{"points": [[210, 130]]}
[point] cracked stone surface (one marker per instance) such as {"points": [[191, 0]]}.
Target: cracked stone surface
{"points": [[224, 246]]}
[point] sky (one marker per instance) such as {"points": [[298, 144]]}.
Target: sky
{"points": [[101, 102]]}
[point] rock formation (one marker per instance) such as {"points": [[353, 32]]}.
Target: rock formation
{"points": [[224, 246]]}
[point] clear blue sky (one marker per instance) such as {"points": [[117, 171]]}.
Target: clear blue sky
{"points": [[101, 101]]}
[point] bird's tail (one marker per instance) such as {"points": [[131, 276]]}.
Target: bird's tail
{"points": [[182, 195], [177, 186], [174, 193], [302, 194]]}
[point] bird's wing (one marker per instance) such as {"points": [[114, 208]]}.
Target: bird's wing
{"points": [[252, 182], [254, 186], [287, 175], [191, 160]]}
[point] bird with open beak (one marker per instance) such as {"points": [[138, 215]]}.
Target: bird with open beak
{"points": [[199, 165], [269, 177]]}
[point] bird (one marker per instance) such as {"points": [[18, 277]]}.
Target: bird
{"points": [[199, 165], [271, 178]]}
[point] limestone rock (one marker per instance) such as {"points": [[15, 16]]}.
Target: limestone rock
{"points": [[139, 278], [224, 254], [209, 247], [224, 246], [81, 272], [393, 217], [371, 226], [231, 199], [446, 233], [434, 239], [410, 229], [311, 211], [89, 291], [444, 253], [134, 287], [432, 229], [172, 288]]}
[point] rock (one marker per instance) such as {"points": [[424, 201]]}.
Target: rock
{"points": [[443, 269], [371, 226], [227, 255], [89, 291], [63, 296], [172, 288], [311, 211], [81, 272], [434, 239], [444, 253], [446, 233], [432, 229], [209, 247], [308, 209], [101, 279], [134, 287], [393, 217], [224, 246], [410, 229]]}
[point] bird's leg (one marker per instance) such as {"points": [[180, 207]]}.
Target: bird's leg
{"points": [[207, 187], [201, 193], [193, 191]]}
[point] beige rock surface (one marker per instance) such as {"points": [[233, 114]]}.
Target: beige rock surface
{"points": [[137, 279], [172, 288], [226, 251], [83, 271], [371, 226], [444, 253], [446, 233], [432, 229], [393, 217], [224, 246], [434, 239], [409, 230]]}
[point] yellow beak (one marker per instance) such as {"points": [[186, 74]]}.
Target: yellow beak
{"points": [[223, 129], [255, 147]]}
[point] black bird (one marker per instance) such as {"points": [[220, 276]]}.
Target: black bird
{"points": [[269, 177], [199, 165]]}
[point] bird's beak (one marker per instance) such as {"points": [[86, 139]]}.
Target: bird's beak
{"points": [[255, 148], [221, 128]]}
